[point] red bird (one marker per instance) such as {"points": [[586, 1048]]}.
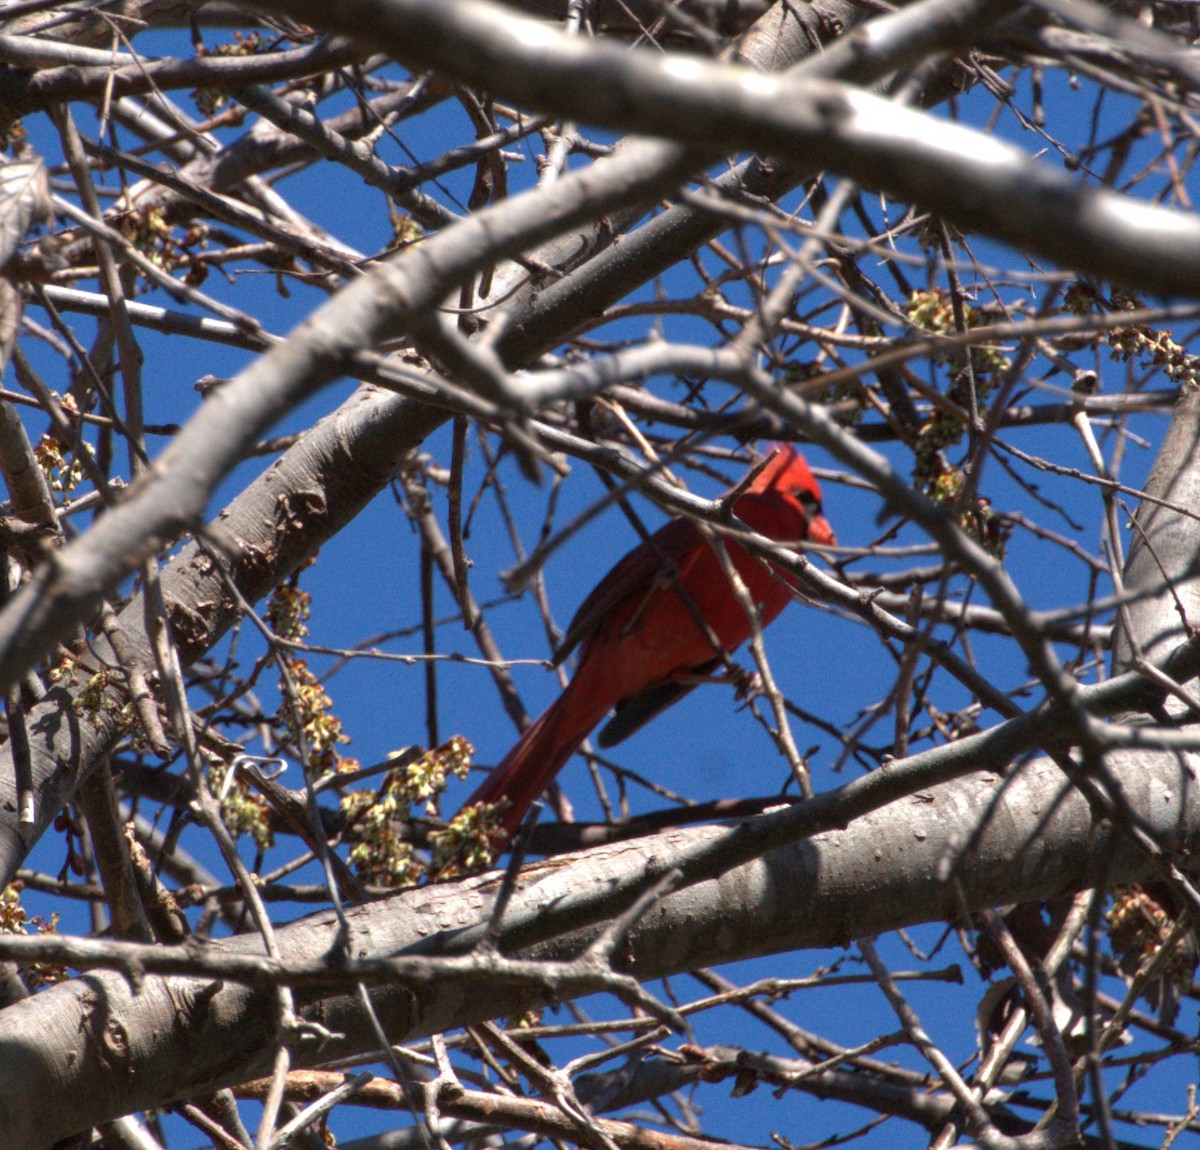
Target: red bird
{"points": [[641, 647]]}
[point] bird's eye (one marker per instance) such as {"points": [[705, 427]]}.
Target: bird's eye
{"points": [[810, 503]]}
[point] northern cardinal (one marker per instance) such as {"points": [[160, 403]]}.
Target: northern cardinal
{"points": [[641, 647]]}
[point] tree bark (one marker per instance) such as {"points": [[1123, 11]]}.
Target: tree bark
{"points": [[273, 527], [105, 1047]]}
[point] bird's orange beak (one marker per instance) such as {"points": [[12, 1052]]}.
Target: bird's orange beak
{"points": [[819, 531]]}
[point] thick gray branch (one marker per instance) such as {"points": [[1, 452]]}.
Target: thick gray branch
{"points": [[105, 1049], [978, 182], [329, 477], [388, 299], [1166, 544]]}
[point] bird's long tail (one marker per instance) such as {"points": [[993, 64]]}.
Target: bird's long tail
{"points": [[541, 752]]}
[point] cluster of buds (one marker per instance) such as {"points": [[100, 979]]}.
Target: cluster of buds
{"points": [[379, 851]]}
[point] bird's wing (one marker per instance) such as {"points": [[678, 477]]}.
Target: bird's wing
{"points": [[638, 572]]}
